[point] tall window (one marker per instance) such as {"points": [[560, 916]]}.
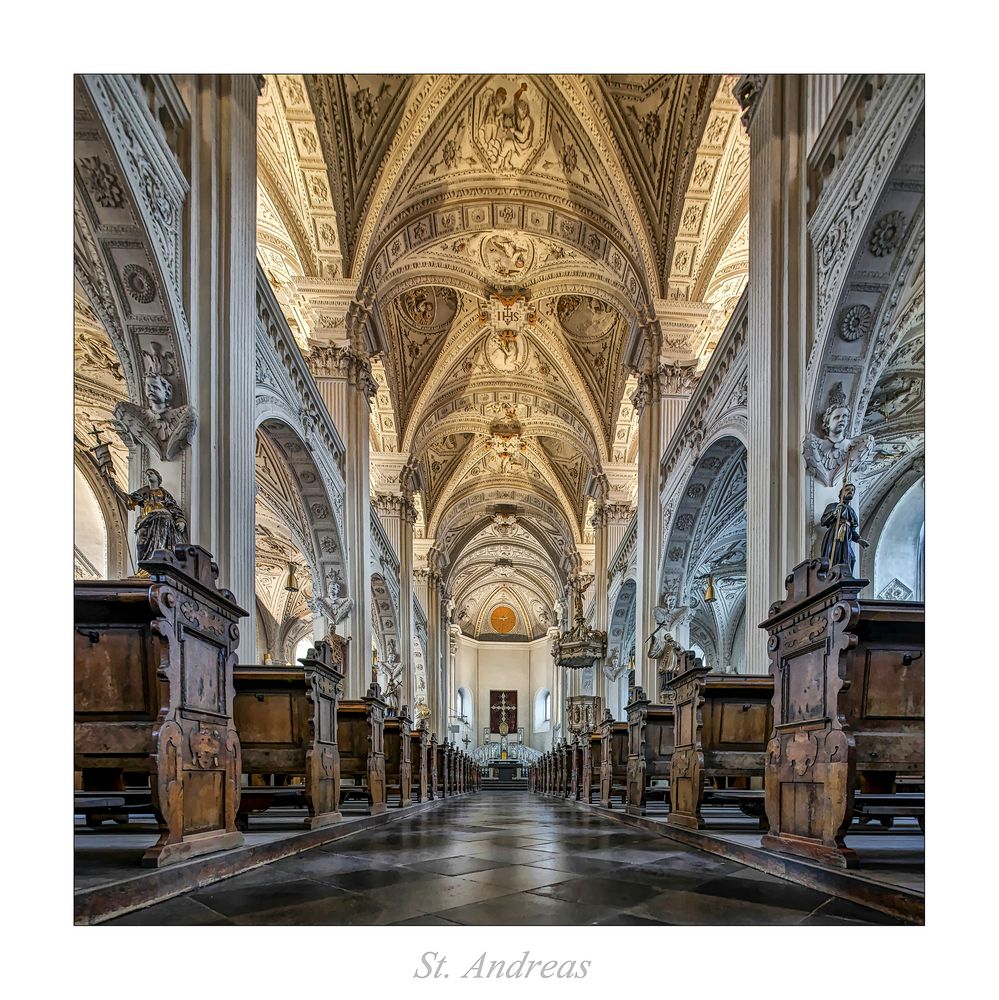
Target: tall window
{"points": [[547, 711]]}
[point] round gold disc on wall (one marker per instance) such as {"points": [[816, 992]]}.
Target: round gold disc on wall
{"points": [[503, 619]]}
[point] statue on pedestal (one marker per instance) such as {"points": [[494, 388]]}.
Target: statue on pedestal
{"points": [[162, 524], [842, 530]]}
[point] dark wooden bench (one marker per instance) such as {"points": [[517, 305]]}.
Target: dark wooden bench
{"points": [[398, 762], [613, 761], [152, 696], [433, 768], [650, 749], [722, 723], [419, 750], [848, 706], [286, 717], [361, 741]]}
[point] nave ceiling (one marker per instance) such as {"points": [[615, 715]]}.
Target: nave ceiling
{"points": [[517, 239]]}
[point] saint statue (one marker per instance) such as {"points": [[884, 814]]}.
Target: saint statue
{"points": [[842, 530], [162, 524]]}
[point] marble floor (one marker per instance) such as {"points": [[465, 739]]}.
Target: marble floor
{"points": [[505, 859]]}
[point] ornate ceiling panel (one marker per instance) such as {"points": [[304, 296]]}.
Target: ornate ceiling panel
{"points": [[658, 122], [358, 117], [512, 235]]}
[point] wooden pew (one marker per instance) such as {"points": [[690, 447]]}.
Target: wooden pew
{"points": [[433, 768], [564, 762], [576, 785], [613, 759], [650, 748], [419, 751], [153, 661], [398, 762], [848, 704], [447, 755], [286, 719], [589, 790], [722, 724], [361, 740]]}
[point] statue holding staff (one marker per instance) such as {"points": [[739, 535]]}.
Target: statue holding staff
{"points": [[842, 527]]}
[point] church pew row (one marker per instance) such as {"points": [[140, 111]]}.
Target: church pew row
{"points": [[721, 726], [650, 749], [418, 754], [167, 724], [398, 761], [840, 736], [613, 761]]}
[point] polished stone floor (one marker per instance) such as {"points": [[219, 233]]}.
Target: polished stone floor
{"points": [[499, 859]]}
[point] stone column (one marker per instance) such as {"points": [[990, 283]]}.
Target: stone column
{"points": [[347, 386], [398, 515], [610, 521], [222, 285], [434, 652], [777, 326]]}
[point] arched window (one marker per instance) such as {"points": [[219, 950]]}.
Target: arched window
{"points": [[302, 649], [542, 711], [898, 559], [465, 704]]}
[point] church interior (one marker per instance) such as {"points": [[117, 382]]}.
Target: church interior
{"points": [[499, 499]]}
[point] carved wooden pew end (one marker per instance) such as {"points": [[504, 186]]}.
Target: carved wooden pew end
{"points": [[152, 695], [287, 720]]}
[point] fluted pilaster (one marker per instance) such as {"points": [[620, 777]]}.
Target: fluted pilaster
{"points": [[222, 288], [776, 320]]}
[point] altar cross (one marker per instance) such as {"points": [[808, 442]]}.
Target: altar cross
{"points": [[502, 709]]}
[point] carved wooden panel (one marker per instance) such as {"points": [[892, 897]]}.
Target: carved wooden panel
{"points": [[115, 677]]}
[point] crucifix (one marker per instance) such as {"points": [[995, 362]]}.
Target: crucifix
{"points": [[502, 709]]}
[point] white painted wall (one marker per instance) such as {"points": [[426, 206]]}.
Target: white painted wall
{"points": [[90, 534], [524, 667]]}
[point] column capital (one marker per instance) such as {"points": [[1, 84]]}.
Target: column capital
{"points": [[341, 361], [747, 91], [613, 513], [394, 505], [670, 379]]}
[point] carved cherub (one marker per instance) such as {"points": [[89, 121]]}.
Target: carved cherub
{"points": [[825, 456], [164, 428]]}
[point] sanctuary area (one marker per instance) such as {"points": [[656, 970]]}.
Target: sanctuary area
{"points": [[499, 499]]}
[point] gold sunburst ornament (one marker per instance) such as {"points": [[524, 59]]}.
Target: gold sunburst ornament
{"points": [[503, 619]]}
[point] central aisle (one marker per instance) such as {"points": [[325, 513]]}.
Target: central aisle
{"points": [[504, 858]]}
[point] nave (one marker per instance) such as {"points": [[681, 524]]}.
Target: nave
{"points": [[505, 859]]}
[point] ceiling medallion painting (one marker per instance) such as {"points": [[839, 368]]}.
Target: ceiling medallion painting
{"points": [[511, 124], [507, 255], [429, 308], [506, 349], [503, 619], [585, 317]]}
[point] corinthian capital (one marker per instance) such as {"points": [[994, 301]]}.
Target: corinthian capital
{"points": [[341, 361], [747, 91]]}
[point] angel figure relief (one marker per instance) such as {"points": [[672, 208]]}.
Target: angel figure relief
{"points": [[506, 130], [164, 428]]}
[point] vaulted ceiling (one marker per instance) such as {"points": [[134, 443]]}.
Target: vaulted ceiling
{"points": [[516, 235]]}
